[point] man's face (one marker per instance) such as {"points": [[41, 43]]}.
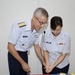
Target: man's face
{"points": [[40, 21], [57, 31]]}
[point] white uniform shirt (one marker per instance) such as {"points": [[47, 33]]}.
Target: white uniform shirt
{"points": [[56, 46], [22, 36]]}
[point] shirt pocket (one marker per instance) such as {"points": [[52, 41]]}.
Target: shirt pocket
{"points": [[60, 47], [35, 37], [48, 45], [24, 38]]}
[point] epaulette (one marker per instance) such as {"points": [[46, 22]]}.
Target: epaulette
{"points": [[21, 24]]}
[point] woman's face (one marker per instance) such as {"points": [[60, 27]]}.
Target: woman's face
{"points": [[57, 31]]}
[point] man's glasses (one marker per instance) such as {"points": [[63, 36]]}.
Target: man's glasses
{"points": [[40, 22]]}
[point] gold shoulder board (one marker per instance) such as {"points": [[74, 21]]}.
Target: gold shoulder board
{"points": [[21, 24]]}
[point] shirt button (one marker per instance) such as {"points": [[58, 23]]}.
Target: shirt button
{"points": [[22, 44]]}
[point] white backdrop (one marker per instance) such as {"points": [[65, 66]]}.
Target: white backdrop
{"points": [[14, 10]]}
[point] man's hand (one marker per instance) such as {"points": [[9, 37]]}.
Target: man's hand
{"points": [[26, 67]]}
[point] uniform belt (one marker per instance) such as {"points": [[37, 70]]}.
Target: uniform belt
{"points": [[22, 51]]}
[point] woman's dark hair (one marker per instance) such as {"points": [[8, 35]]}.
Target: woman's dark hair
{"points": [[55, 21]]}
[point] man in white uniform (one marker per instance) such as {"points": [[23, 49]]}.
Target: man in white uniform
{"points": [[56, 47], [24, 34]]}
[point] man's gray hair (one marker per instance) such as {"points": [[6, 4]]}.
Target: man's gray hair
{"points": [[41, 11]]}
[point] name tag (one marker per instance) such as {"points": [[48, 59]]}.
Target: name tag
{"points": [[49, 42], [25, 36]]}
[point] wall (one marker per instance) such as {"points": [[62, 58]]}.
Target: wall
{"points": [[14, 10]]}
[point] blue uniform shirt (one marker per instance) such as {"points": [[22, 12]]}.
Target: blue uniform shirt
{"points": [[56, 46], [22, 36]]}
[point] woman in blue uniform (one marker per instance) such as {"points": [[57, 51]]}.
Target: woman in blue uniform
{"points": [[56, 48], [24, 34]]}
